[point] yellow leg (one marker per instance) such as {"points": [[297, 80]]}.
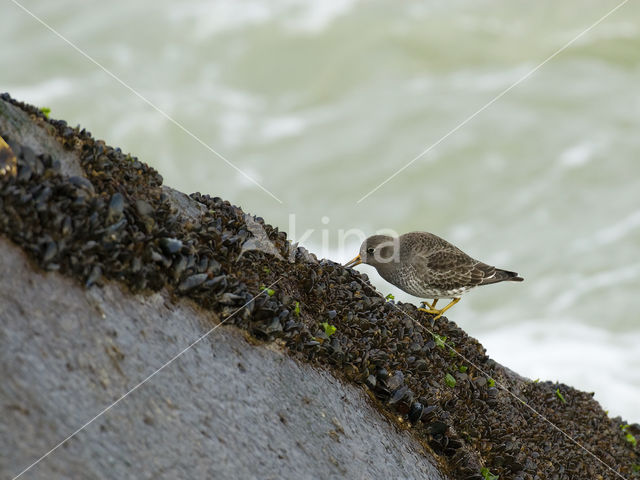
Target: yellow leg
{"points": [[438, 313], [431, 306], [451, 304]]}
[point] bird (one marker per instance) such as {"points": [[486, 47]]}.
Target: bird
{"points": [[427, 266]]}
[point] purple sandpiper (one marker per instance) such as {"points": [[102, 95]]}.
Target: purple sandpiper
{"points": [[427, 266]]}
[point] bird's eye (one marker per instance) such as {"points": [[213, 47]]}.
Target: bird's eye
{"points": [[369, 250]]}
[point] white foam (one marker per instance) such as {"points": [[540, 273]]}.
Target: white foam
{"points": [[587, 358], [234, 127], [461, 233], [594, 283], [610, 234], [623, 30], [45, 92], [577, 155], [483, 81], [282, 126], [207, 19], [314, 17]]}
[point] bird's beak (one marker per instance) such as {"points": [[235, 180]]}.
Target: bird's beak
{"points": [[353, 262]]}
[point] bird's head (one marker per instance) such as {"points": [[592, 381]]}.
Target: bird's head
{"points": [[377, 250]]}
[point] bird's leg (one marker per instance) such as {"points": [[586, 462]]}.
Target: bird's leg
{"points": [[432, 306], [451, 304]]}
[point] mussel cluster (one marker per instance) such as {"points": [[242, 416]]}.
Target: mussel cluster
{"points": [[117, 222]]}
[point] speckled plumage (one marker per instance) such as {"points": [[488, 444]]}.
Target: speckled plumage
{"points": [[427, 266]]}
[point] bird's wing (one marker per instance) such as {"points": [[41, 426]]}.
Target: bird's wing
{"points": [[450, 270]]}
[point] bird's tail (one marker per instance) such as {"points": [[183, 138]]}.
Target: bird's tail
{"points": [[502, 276], [507, 276]]}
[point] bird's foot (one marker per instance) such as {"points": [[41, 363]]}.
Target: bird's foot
{"points": [[432, 306], [432, 311]]}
